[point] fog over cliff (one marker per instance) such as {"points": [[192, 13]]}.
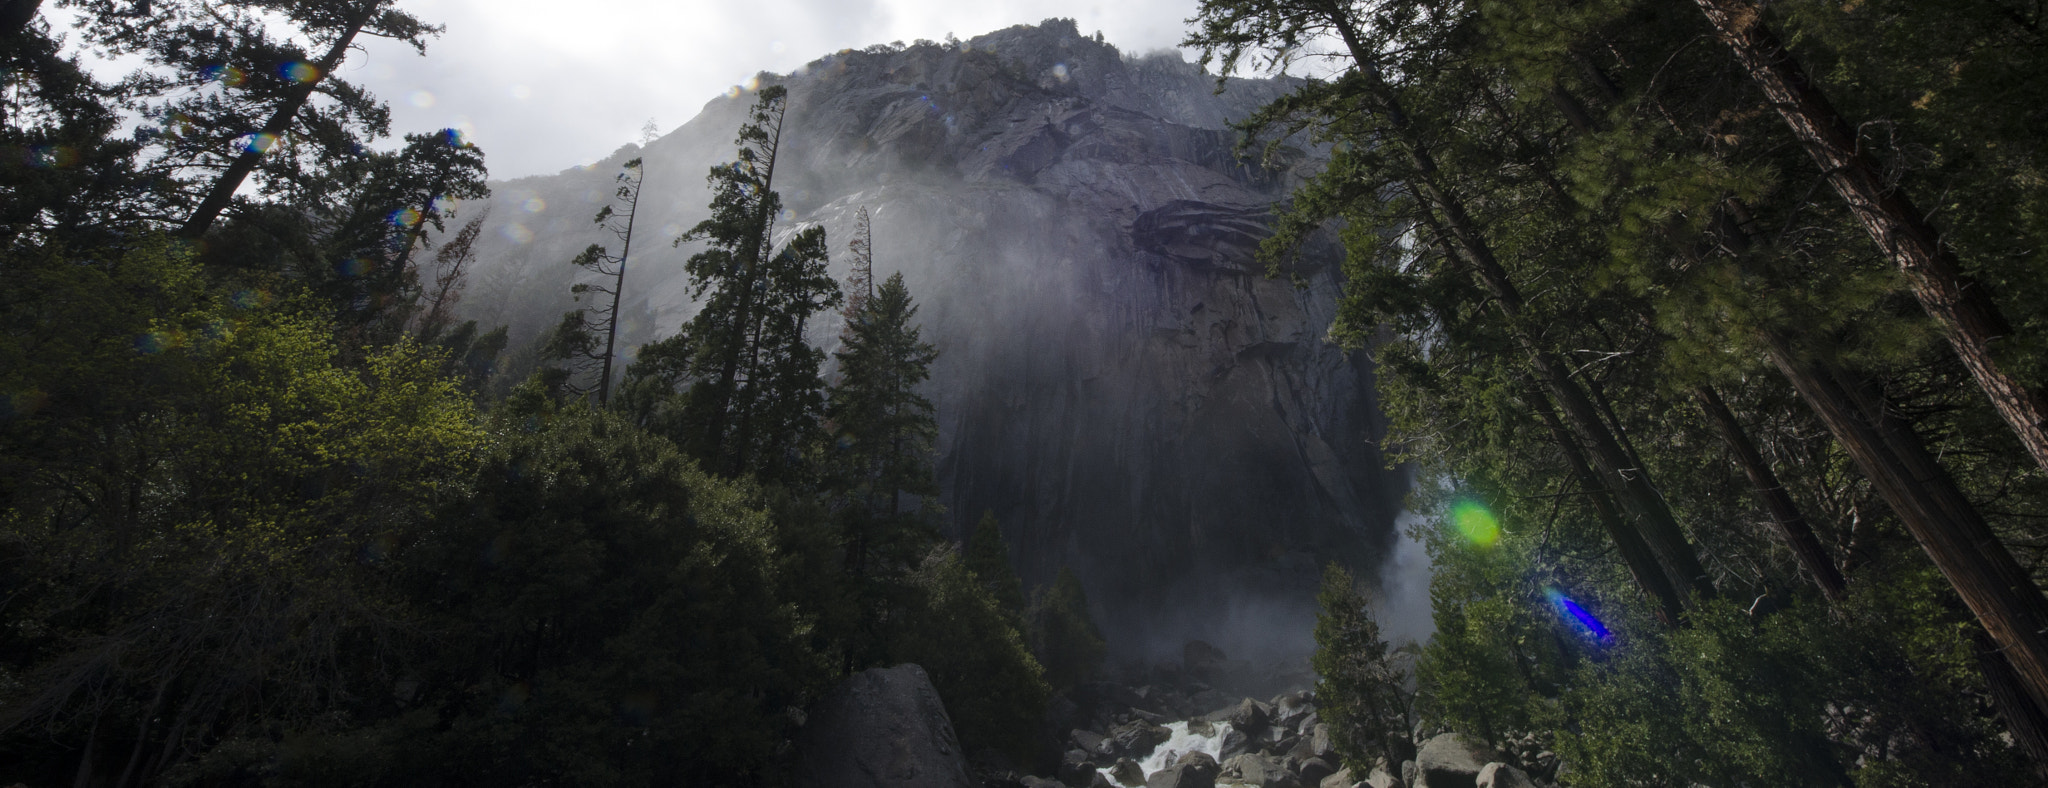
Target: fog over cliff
{"points": [[1119, 381]]}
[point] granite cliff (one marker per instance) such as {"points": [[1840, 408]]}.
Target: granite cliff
{"points": [[1120, 382]]}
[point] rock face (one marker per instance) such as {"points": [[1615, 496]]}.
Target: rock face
{"points": [[1118, 380], [882, 728]]}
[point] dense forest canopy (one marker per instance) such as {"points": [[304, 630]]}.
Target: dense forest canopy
{"points": [[1714, 330]]}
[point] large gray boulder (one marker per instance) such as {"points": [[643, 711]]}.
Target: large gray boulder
{"points": [[882, 728], [1254, 769], [1451, 760]]}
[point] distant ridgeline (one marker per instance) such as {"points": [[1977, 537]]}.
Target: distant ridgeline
{"points": [[1118, 379]]}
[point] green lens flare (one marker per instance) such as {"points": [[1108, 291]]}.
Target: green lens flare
{"points": [[1475, 523]]}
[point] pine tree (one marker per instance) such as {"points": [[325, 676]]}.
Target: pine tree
{"points": [[616, 219], [753, 401], [1360, 690], [885, 432], [1063, 634], [988, 556]]}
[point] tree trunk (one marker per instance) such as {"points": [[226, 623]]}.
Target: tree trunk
{"points": [[749, 261], [1785, 515], [230, 181], [1987, 578], [2026, 722], [611, 334], [1635, 553], [1962, 307], [1659, 528]]}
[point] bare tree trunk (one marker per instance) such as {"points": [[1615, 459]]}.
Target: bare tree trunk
{"points": [[1962, 307], [1792, 525], [230, 181], [611, 334]]}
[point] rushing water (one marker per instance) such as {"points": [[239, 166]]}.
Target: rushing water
{"points": [[1182, 742]]}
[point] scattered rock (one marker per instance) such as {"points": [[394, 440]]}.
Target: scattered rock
{"points": [[1501, 775], [1127, 772], [1313, 770], [881, 727], [1136, 739], [1091, 742], [1319, 742], [1409, 771], [1075, 767], [1255, 769], [1041, 782], [1342, 779], [1248, 715], [1194, 770], [1451, 760], [1235, 742]]}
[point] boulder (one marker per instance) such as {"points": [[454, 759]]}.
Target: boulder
{"points": [[1248, 715], [1342, 779], [1319, 742], [1127, 772], [1451, 760], [1381, 778], [1091, 742], [1501, 775], [1194, 770], [1409, 772], [884, 727], [1290, 708], [1138, 737], [1313, 770], [1041, 782], [1255, 769], [1075, 768], [1234, 742]]}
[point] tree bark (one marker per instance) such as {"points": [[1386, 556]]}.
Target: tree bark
{"points": [[1962, 307], [1927, 500], [1635, 553], [1791, 524], [280, 122]]}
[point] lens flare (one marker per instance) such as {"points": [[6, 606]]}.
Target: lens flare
{"points": [[259, 143], [405, 218], [517, 233], [421, 99], [1579, 615], [354, 267], [299, 71], [534, 205], [732, 92], [455, 138], [226, 75], [1059, 72], [1475, 523]]}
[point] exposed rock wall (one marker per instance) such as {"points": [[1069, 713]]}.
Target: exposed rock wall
{"points": [[1118, 381]]}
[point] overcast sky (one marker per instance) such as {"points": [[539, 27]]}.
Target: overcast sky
{"points": [[542, 86]]}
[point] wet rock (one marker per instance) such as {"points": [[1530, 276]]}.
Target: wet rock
{"points": [[1091, 742], [1501, 775], [1193, 770], [1451, 760], [1075, 767], [1313, 770], [1235, 742], [1137, 738], [884, 727], [1127, 772]]}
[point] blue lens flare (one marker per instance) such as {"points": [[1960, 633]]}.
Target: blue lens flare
{"points": [[1577, 613]]}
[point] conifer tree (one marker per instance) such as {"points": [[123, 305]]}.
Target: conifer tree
{"points": [[988, 557], [1359, 689], [603, 319], [885, 432], [753, 401], [1063, 633]]}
